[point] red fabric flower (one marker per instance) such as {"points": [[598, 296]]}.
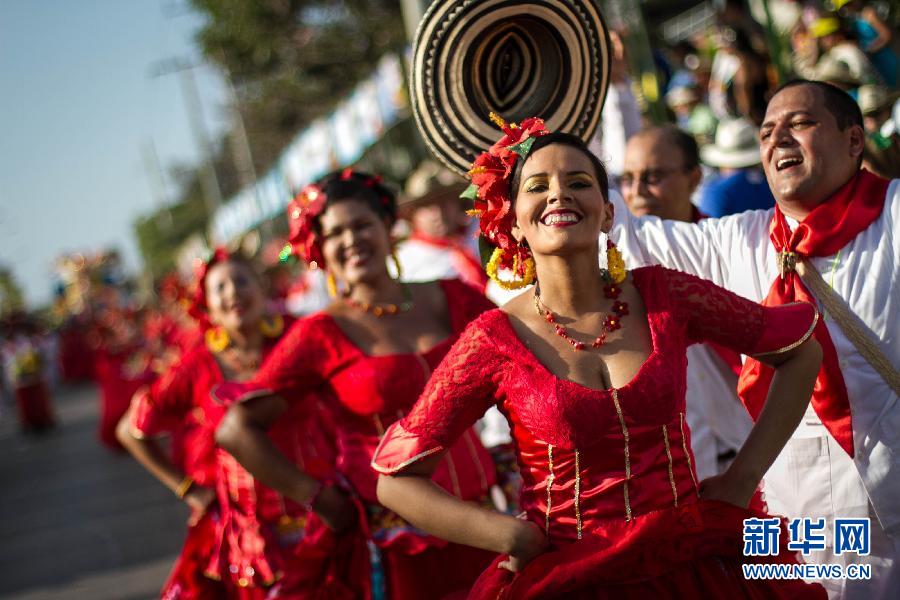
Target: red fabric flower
{"points": [[198, 308], [302, 211], [490, 176]]}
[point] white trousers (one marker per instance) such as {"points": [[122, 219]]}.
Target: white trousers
{"points": [[814, 477]]}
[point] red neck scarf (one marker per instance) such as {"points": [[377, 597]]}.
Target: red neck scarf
{"points": [[824, 231]]}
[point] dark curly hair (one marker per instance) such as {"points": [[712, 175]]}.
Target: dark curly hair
{"points": [[347, 184]]}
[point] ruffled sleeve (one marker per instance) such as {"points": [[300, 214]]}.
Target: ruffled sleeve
{"points": [[460, 390], [161, 407], [713, 314]]}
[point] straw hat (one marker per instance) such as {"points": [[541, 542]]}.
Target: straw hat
{"points": [[517, 58], [736, 145], [837, 72], [428, 183]]}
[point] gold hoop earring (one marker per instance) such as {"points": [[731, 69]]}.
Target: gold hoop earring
{"points": [[527, 277], [272, 327], [217, 339], [397, 266], [332, 285]]}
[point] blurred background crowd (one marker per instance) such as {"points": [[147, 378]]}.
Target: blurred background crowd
{"points": [[317, 85]]}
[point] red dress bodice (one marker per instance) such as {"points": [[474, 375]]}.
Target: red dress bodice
{"points": [[369, 394], [594, 462]]}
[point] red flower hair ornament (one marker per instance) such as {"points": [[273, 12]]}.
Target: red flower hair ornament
{"points": [[198, 308], [302, 211], [490, 189]]}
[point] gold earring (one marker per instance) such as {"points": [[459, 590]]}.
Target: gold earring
{"points": [[332, 285], [615, 264], [217, 339], [397, 265], [271, 327], [527, 278]]}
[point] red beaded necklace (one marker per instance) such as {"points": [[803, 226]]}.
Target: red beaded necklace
{"points": [[611, 323]]}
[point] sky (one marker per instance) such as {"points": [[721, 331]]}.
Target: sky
{"points": [[77, 104]]}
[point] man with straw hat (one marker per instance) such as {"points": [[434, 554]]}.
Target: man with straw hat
{"points": [[741, 184], [831, 240], [438, 247]]}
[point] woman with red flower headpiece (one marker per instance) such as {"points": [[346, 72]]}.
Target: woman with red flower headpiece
{"points": [[589, 369], [243, 538], [373, 349]]}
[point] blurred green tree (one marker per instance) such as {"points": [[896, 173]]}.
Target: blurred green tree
{"points": [[290, 61]]}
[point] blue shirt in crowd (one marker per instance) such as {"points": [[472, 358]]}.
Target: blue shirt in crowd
{"points": [[745, 190]]}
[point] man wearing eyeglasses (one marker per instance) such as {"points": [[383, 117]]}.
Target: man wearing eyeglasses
{"points": [[661, 172]]}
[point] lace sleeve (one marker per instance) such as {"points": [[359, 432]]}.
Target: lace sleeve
{"points": [[161, 407], [459, 392], [713, 314]]}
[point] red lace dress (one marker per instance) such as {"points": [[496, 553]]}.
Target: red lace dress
{"points": [[608, 474], [371, 393], [247, 543]]}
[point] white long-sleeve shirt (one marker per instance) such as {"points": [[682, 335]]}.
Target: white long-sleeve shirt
{"points": [[735, 252]]}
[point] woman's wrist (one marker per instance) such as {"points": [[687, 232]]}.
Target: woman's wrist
{"points": [[184, 487], [518, 535]]}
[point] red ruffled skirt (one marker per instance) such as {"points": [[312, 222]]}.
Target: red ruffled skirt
{"points": [[351, 566], [692, 551], [188, 579]]}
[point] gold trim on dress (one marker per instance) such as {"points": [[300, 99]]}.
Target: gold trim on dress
{"points": [[404, 464], [801, 340], [671, 470], [687, 453], [615, 397], [550, 479], [454, 479], [577, 493]]}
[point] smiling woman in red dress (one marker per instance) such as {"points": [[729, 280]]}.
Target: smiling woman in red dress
{"points": [[372, 350], [243, 538], [590, 372]]}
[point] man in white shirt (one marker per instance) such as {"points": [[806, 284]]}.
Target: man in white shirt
{"points": [[439, 246], [844, 459]]}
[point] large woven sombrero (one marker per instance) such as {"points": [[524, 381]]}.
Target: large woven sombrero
{"points": [[517, 58]]}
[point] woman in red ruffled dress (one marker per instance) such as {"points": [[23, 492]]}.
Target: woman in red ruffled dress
{"points": [[243, 538], [373, 349], [123, 365], [589, 369]]}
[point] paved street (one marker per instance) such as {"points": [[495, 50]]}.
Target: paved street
{"points": [[77, 521]]}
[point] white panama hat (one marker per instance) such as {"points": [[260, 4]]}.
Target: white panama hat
{"points": [[736, 146]]}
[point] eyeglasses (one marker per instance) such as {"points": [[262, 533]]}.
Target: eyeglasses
{"points": [[648, 177]]}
